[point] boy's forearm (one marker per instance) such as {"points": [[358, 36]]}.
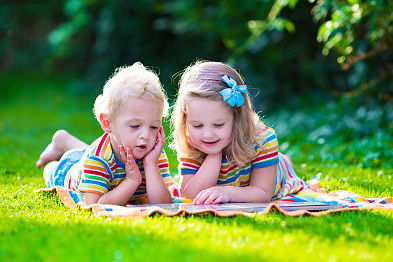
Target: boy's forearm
{"points": [[157, 191], [121, 194]]}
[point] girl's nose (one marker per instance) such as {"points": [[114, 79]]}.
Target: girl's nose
{"points": [[207, 133]]}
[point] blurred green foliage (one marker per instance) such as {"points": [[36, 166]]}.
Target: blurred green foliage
{"points": [[321, 69], [361, 34], [336, 133], [282, 47]]}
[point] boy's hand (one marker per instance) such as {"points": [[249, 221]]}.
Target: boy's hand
{"points": [[152, 157], [132, 169]]}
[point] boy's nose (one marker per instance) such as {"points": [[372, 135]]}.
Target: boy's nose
{"points": [[144, 134]]}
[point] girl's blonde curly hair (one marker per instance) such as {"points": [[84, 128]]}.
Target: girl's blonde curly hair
{"points": [[203, 80]]}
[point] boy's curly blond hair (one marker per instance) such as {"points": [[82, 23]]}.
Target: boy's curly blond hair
{"points": [[135, 81]]}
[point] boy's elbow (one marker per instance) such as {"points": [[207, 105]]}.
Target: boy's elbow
{"points": [[165, 199]]}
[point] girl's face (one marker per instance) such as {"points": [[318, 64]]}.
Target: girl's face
{"points": [[135, 125], [209, 125]]}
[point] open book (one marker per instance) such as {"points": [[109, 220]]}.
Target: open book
{"points": [[241, 207]]}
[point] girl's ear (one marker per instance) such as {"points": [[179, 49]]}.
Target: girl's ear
{"points": [[105, 123]]}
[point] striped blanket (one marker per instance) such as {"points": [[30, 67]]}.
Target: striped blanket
{"points": [[314, 202]]}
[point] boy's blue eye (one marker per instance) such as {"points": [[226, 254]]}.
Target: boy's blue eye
{"points": [[135, 126], [154, 127]]}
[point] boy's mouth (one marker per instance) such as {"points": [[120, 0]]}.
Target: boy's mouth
{"points": [[143, 147]]}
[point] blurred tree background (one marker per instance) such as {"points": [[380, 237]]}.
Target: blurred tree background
{"points": [[299, 58]]}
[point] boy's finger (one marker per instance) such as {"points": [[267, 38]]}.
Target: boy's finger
{"points": [[130, 158], [121, 150], [129, 154], [162, 133]]}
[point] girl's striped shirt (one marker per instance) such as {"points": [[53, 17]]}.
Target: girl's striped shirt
{"points": [[266, 155], [100, 171]]}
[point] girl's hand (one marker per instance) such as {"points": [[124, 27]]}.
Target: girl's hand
{"points": [[132, 170], [155, 153], [212, 195], [194, 145]]}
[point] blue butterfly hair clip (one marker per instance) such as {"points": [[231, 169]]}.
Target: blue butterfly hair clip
{"points": [[233, 95]]}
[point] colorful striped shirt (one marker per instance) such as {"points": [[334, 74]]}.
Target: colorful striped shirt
{"points": [[266, 155], [100, 171]]}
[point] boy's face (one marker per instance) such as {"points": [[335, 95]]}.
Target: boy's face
{"points": [[135, 125], [209, 125]]}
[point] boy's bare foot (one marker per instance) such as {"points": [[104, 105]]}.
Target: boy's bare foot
{"points": [[62, 141], [53, 151]]}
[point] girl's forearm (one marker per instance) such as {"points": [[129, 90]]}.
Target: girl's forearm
{"points": [[157, 191], [248, 194], [206, 177]]}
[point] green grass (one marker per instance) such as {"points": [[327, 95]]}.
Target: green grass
{"points": [[36, 227]]}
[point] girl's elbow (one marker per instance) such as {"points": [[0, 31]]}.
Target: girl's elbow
{"points": [[184, 193], [264, 197]]}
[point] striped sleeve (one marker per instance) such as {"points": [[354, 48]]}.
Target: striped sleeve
{"points": [[95, 176], [267, 153], [188, 166], [163, 165]]}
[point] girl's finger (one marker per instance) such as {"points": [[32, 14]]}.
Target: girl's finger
{"points": [[196, 199], [212, 197], [219, 200], [201, 197]]}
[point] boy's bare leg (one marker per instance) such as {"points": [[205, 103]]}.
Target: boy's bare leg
{"points": [[48, 168], [62, 141], [289, 160]]}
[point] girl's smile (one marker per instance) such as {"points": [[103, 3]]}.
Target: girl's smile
{"points": [[210, 143], [209, 125]]}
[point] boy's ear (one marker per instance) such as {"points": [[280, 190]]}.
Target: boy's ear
{"points": [[105, 123]]}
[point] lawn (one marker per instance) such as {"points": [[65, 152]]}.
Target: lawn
{"points": [[36, 227]]}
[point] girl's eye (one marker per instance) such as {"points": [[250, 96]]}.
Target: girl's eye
{"points": [[134, 126], [218, 125], [197, 126], [154, 127]]}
